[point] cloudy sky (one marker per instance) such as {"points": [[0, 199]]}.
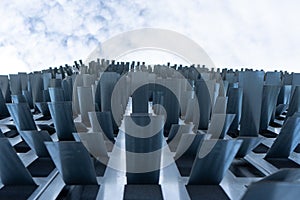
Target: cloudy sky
{"points": [[235, 33]]}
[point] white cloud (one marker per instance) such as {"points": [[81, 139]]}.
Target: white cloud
{"points": [[38, 34], [235, 33]]}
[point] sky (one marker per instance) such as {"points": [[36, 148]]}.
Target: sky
{"points": [[260, 34]]}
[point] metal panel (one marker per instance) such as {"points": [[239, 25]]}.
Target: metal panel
{"points": [[252, 100], [36, 139], [287, 140], [22, 116], [210, 169], [143, 143], [269, 100], [73, 162], [61, 113], [12, 170]]}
